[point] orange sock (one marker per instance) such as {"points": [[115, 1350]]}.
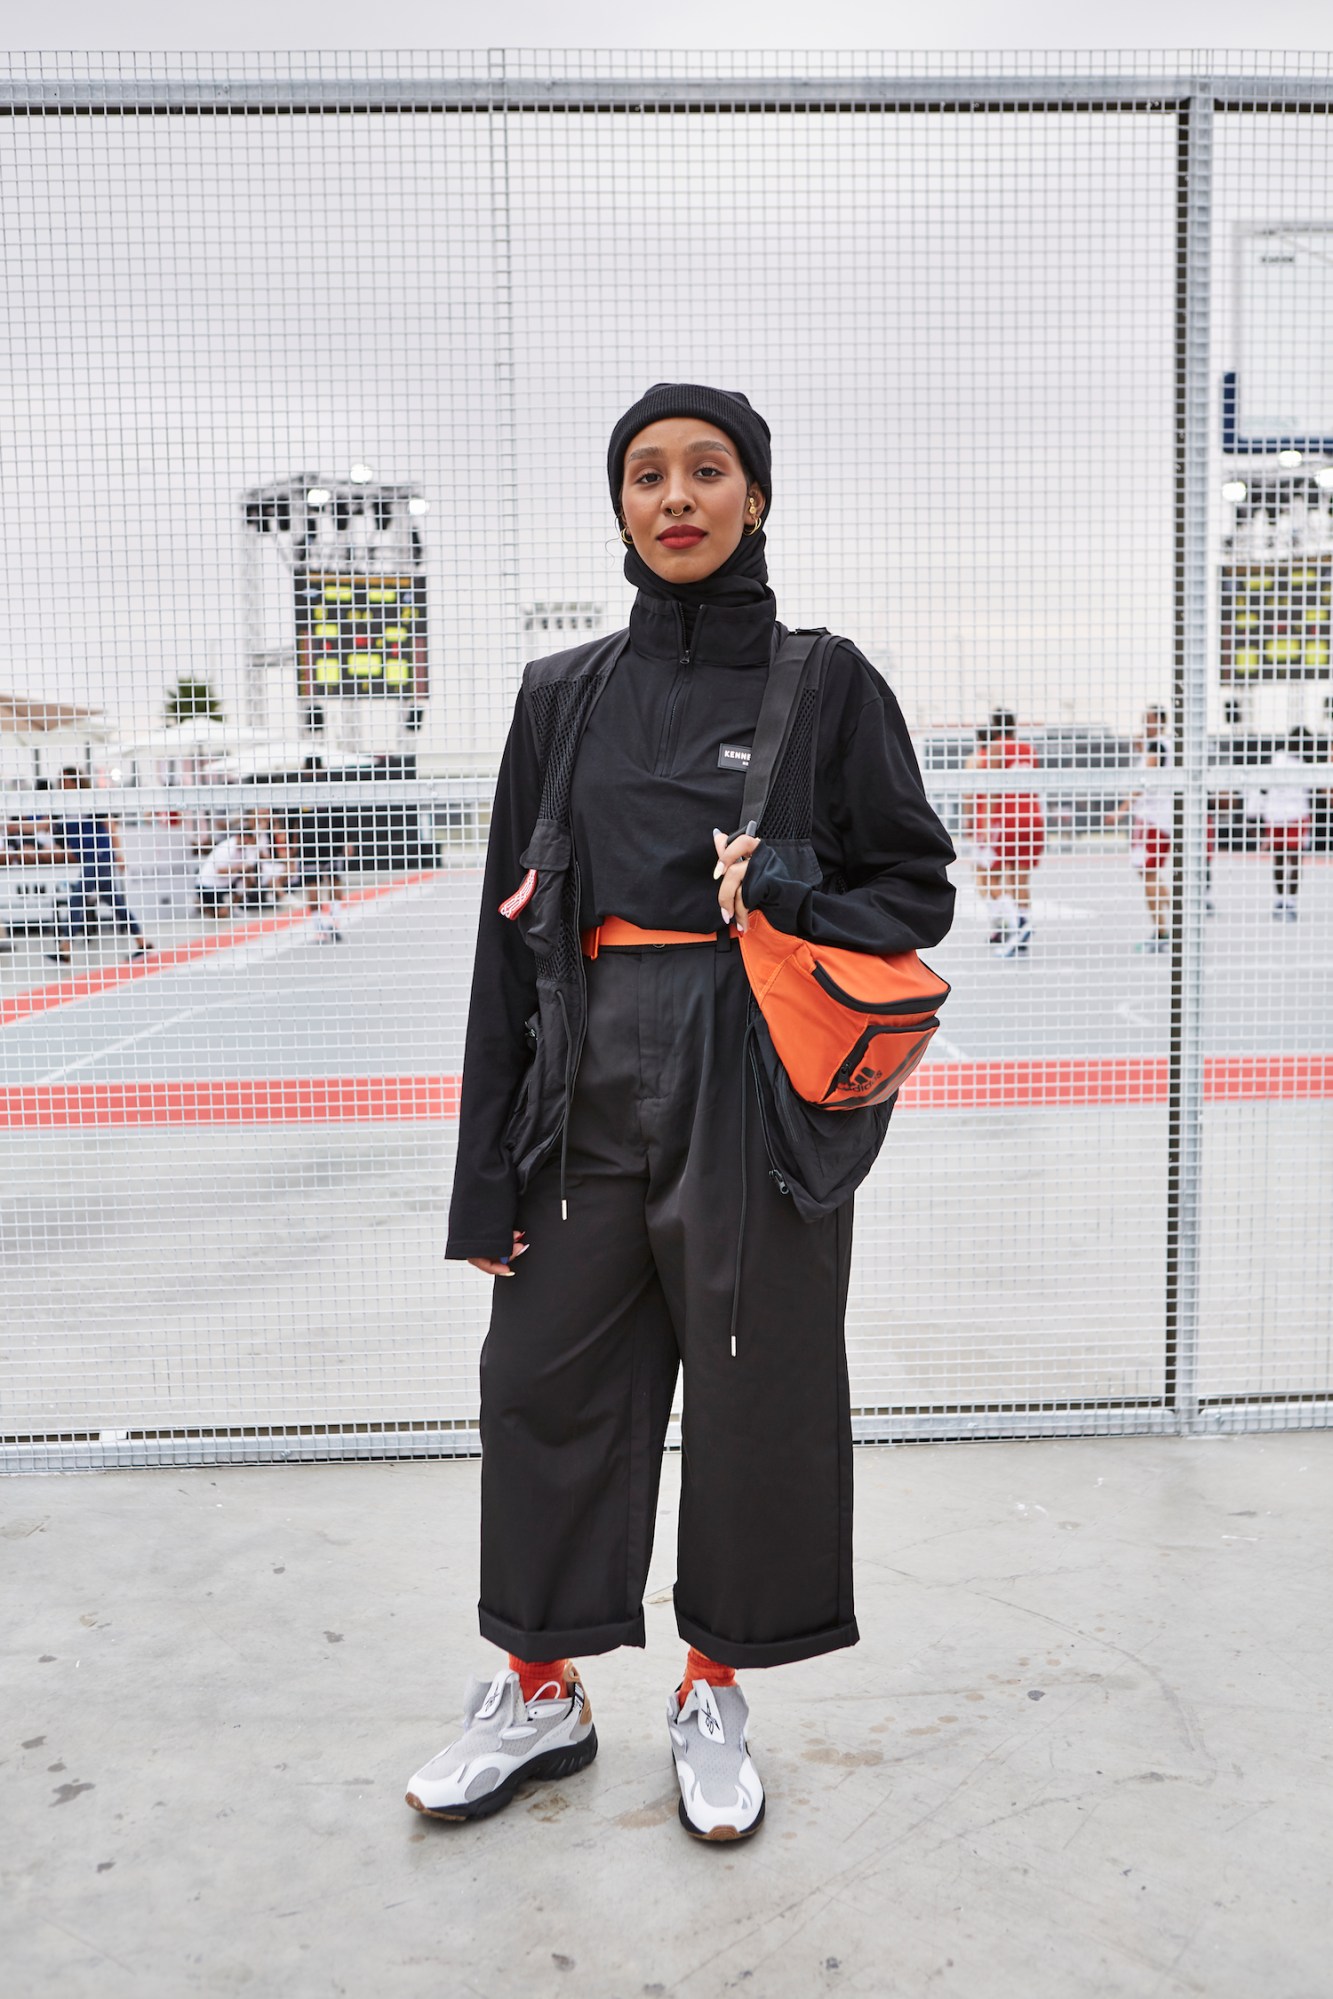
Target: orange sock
{"points": [[698, 1666], [534, 1674]]}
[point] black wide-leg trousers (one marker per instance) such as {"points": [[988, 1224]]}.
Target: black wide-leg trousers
{"points": [[580, 1364]]}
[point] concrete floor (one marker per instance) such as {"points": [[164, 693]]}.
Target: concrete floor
{"points": [[1083, 1748]]}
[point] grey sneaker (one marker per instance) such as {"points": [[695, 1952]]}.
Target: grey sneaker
{"points": [[506, 1742], [721, 1796]]}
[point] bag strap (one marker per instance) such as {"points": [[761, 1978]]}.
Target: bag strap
{"points": [[787, 674]]}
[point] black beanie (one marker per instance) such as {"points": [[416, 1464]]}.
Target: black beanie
{"points": [[727, 408]]}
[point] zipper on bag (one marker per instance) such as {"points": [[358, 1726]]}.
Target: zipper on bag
{"points": [[773, 1172], [835, 991], [848, 1068]]}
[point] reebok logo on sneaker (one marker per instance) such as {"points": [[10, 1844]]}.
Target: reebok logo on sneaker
{"points": [[492, 1700], [710, 1721]]}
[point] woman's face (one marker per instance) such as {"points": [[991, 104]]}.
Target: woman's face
{"points": [[684, 497]]}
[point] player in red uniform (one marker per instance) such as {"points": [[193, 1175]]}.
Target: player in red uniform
{"points": [[1007, 831]]}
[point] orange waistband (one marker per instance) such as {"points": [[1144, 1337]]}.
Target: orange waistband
{"points": [[614, 931]]}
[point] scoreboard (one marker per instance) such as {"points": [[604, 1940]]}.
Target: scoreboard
{"points": [[360, 635], [1276, 619]]}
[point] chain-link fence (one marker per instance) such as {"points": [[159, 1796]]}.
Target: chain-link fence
{"points": [[310, 367]]}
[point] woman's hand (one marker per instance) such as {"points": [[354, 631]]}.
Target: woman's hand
{"points": [[501, 1266], [733, 858]]}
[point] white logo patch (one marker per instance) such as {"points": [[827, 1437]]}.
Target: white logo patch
{"points": [[710, 1721], [494, 1696]]}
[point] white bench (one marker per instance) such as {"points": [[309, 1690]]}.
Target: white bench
{"points": [[33, 894]]}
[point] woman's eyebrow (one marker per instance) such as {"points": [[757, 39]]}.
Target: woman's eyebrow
{"points": [[700, 444]]}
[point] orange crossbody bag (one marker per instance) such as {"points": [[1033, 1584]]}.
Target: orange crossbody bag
{"points": [[849, 1027]]}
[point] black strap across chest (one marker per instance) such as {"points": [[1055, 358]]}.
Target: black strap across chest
{"points": [[797, 664]]}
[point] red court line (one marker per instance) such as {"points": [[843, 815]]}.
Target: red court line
{"points": [[233, 1100], [1108, 1081], [247, 1100], [63, 992]]}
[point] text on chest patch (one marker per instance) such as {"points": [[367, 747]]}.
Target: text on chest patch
{"points": [[734, 756]]}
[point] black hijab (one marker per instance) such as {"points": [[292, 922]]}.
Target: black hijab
{"points": [[743, 578]]}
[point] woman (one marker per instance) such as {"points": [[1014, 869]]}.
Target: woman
{"points": [[612, 1170]]}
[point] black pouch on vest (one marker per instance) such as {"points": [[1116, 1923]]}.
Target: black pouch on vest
{"points": [[535, 905], [818, 1157]]}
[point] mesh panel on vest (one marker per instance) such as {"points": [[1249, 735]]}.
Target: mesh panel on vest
{"points": [[788, 812], [557, 715]]}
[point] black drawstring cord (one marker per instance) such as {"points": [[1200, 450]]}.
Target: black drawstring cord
{"points": [[564, 1129], [740, 1237]]}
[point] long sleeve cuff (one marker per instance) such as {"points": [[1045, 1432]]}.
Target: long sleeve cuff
{"points": [[769, 887], [461, 1250]]}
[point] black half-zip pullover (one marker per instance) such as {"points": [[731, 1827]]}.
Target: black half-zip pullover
{"points": [[654, 777], [650, 782]]}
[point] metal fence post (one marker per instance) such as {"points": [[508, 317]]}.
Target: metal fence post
{"points": [[502, 368], [1194, 196]]}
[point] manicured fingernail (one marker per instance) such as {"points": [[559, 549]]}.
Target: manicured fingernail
{"points": [[718, 834], [752, 828], [718, 872]]}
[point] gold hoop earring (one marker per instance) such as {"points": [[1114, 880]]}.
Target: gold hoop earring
{"points": [[757, 521], [627, 537]]}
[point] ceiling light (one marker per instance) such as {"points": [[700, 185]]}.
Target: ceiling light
{"points": [[1235, 489], [418, 506], [361, 473], [1289, 458], [318, 496]]}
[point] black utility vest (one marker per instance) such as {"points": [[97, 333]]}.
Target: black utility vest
{"points": [[559, 693]]}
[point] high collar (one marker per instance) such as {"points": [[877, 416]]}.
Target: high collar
{"points": [[724, 634]]}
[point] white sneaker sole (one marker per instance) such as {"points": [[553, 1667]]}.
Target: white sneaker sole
{"points": [[562, 1762], [723, 1831]]}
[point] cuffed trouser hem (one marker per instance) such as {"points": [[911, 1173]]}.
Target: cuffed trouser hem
{"points": [[782, 1652], [576, 1642]]}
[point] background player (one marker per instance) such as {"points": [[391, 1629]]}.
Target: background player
{"points": [[1007, 830]]}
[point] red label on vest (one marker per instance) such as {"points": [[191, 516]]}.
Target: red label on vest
{"points": [[521, 897]]}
